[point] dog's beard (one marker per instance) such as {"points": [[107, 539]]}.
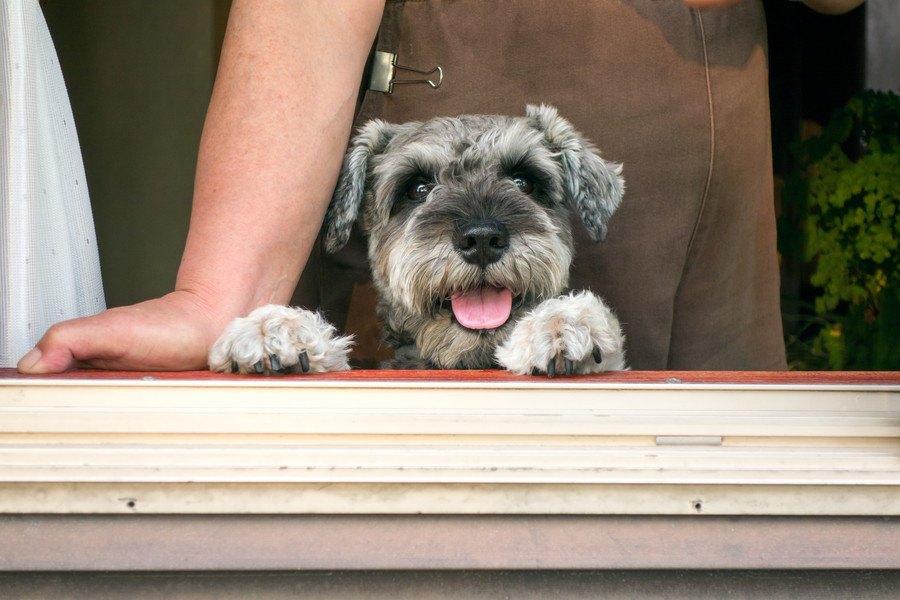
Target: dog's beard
{"points": [[427, 278], [454, 311]]}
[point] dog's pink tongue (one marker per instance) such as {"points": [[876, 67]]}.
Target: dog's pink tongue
{"points": [[484, 308]]}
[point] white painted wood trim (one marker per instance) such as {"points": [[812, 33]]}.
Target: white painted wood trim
{"points": [[258, 446]]}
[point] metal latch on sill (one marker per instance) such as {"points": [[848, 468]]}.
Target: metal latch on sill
{"points": [[688, 440], [384, 70]]}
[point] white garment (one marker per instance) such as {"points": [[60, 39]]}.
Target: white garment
{"points": [[49, 267]]}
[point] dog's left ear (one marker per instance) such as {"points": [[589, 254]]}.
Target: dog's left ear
{"points": [[343, 211], [594, 187]]}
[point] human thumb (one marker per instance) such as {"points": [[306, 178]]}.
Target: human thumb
{"points": [[29, 362], [38, 362]]}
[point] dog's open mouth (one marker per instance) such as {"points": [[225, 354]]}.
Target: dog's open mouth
{"points": [[482, 308]]}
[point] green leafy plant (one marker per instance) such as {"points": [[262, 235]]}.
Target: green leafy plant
{"points": [[845, 194]]}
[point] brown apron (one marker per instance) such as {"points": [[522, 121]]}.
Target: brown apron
{"points": [[679, 96]]}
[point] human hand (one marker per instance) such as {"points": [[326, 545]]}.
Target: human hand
{"points": [[710, 3], [169, 333], [829, 7], [832, 7]]}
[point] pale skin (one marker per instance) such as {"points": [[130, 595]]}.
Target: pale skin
{"points": [[830, 7], [275, 133], [277, 126]]}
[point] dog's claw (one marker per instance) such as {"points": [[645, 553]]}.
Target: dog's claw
{"points": [[551, 368], [258, 367], [274, 363], [304, 362], [535, 371], [598, 356], [235, 368], [570, 366]]}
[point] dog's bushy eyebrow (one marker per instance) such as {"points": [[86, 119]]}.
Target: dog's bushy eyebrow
{"points": [[403, 172], [520, 150], [415, 167], [393, 175], [537, 164], [416, 159], [530, 160]]}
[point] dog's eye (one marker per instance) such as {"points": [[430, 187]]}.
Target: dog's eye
{"points": [[523, 183], [418, 190]]}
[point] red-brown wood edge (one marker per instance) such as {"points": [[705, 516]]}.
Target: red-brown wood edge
{"points": [[489, 376]]}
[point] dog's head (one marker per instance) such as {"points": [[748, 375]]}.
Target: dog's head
{"points": [[468, 218]]}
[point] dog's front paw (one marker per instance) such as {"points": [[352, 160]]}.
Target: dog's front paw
{"points": [[577, 333], [279, 339]]}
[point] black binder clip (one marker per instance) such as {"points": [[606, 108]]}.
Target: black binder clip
{"points": [[382, 76]]}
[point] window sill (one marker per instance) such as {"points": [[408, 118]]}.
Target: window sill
{"points": [[812, 455]]}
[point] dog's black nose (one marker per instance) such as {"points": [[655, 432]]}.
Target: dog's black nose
{"points": [[481, 242]]}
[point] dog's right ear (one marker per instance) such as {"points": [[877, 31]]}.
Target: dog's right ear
{"points": [[343, 211]]}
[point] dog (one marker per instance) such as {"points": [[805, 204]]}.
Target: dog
{"points": [[469, 244]]}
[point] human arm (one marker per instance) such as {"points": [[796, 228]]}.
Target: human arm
{"points": [[831, 7], [276, 129]]}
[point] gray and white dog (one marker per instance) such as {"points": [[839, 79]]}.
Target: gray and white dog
{"points": [[470, 244]]}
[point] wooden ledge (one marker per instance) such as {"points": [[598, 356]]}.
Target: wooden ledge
{"points": [[482, 442], [794, 378], [449, 470]]}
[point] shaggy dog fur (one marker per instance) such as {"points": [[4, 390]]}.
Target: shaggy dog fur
{"points": [[470, 244]]}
